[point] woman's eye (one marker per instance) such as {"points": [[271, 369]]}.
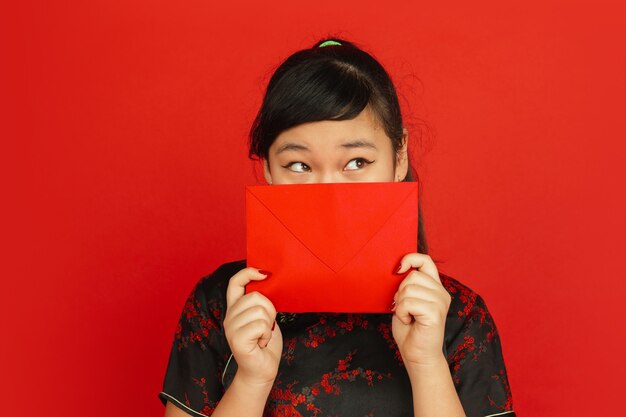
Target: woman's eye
{"points": [[357, 163], [298, 167]]}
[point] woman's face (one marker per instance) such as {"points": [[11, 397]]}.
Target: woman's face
{"points": [[336, 151]]}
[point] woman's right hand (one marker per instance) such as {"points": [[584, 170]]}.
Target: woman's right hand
{"points": [[254, 339]]}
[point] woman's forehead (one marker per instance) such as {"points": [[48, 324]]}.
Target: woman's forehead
{"points": [[361, 132]]}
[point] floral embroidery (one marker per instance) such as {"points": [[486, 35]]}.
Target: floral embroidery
{"points": [[459, 356], [330, 325], [385, 330], [289, 348], [285, 400], [327, 357], [466, 296], [196, 324], [209, 406], [502, 378]]}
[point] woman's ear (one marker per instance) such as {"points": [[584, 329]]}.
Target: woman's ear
{"points": [[402, 157], [266, 171]]}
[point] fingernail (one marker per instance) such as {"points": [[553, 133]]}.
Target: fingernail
{"points": [[393, 305], [266, 273], [398, 269], [274, 325]]}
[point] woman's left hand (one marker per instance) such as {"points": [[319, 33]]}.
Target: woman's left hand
{"points": [[420, 309]]}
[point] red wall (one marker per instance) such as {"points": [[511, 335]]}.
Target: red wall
{"points": [[124, 164]]}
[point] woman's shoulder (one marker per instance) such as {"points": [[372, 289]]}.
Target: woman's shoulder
{"points": [[466, 304], [218, 279], [214, 284]]}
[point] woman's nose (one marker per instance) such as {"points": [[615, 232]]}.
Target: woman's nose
{"points": [[328, 177]]}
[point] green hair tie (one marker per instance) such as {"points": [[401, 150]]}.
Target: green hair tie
{"points": [[328, 43]]}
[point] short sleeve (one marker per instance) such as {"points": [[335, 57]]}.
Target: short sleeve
{"points": [[474, 355], [200, 352]]}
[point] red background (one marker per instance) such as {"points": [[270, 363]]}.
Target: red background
{"points": [[124, 163]]}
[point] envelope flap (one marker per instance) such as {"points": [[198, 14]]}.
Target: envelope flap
{"points": [[351, 225]]}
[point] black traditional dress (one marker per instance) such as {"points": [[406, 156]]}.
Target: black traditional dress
{"points": [[334, 364]]}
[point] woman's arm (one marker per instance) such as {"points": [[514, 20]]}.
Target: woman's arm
{"points": [[240, 399], [421, 307], [256, 343], [243, 399], [172, 411], [433, 390]]}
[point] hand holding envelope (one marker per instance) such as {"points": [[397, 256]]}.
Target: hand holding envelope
{"points": [[331, 247]]}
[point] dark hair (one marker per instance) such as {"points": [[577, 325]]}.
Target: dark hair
{"points": [[335, 81]]}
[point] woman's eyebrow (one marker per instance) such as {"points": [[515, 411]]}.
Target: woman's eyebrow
{"points": [[358, 143], [291, 147]]}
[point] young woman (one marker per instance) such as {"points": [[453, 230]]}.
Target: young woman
{"points": [[331, 114]]}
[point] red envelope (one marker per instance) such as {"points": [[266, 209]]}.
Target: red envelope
{"points": [[331, 247]]}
